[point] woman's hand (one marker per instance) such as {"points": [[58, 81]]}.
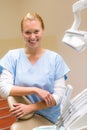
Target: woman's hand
{"points": [[19, 110], [46, 96]]}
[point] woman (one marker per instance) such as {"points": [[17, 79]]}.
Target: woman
{"points": [[35, 72]]}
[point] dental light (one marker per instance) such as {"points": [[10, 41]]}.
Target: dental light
{"points": [[74, 37]]}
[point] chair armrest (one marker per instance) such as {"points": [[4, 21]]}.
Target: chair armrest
{"points": [[66, 99]]}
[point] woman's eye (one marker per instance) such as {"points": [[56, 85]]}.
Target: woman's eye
{"points": [[37, 31], [27, 32]]}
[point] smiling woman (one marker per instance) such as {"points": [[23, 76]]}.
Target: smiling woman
{"points": [[32, 28], [35, 72]]}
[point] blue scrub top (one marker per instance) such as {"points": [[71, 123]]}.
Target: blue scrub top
{"points": [[42, 74]]}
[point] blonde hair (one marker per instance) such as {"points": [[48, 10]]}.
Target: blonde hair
{"points": [[30, 16]]}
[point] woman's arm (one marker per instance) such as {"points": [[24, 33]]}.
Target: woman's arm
{"points": [[59, 90], [20, 110], [8, 89]]}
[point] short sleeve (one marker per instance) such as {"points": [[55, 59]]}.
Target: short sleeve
{"points": [[61, 68], [1, 69], [8, 62]]}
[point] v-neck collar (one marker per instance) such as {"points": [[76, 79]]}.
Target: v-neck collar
{"points": [[29, 62]]}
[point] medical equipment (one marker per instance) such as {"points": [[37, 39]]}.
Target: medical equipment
{"points": [[74, 117], [74, 37]]}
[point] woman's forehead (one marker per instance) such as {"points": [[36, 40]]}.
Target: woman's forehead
{"points": [[34, 23]]}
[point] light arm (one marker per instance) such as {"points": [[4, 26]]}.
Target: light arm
{"points": [[74, 37], [7, 88], [77, 8]]}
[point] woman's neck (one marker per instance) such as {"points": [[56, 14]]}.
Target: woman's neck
{"points": [[38, 51], [34, 55]]}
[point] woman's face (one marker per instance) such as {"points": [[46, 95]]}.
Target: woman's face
{"points": [[32, 33]]}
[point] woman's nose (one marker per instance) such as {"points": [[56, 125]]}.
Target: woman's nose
{"points": [[32, 36]]}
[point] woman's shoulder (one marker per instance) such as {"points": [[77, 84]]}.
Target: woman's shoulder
{"points": [[54, 56], [53, 53], [18, 50], [15, 52]]}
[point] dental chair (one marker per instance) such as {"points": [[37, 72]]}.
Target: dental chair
{"points": [[31, 121], [75, 117]]}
